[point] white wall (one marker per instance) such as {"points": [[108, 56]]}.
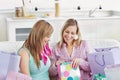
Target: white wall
{"points": [[48, 4], [85, 4], [3, 25]]}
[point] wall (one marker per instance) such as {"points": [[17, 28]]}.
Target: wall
{"points": [[64, 4], [3, 25], [84, 4]]}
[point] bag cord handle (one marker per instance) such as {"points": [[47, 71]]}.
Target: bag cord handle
{"points": [[102, 60]]}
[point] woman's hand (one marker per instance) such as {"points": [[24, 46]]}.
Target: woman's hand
{"points": [[58, 62], [75, 63]]}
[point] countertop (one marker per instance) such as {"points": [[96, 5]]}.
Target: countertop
{"points": [[62, 18]]}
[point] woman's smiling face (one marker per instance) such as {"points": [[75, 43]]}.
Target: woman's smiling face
{"points": [[69, 33]]}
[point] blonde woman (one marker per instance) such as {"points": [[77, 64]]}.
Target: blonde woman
{"points": [[35, 51], [71, 48]]}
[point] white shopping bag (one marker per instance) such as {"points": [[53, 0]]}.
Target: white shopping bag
{"points": [[112, 72]]}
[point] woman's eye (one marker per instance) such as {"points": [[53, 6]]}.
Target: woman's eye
{"points": [[73, 33], [67, 31]]}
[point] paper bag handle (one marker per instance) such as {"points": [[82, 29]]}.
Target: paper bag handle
{"points": [[102, 60]]}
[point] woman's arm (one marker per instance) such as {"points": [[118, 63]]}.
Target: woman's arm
{"points": [[84, 62], [53, 67], [84, 65], [24, 62]]}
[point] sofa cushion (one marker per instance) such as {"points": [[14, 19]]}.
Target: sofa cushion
{"points": [[8, 46]]}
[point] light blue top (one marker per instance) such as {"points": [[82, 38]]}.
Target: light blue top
{"points": [[42, 72]]}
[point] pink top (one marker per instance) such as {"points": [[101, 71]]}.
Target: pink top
{"points": [[62, 54]]}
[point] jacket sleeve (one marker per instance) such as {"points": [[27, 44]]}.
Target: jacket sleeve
{"points": [[53, 58], [84, 61]]}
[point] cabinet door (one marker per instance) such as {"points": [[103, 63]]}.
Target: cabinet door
{"points": [[22, 33], [19, 30]]}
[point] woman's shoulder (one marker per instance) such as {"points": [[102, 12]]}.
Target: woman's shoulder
{"points": [[23, 52], [56, 49], [55, 46], [83, 43]]}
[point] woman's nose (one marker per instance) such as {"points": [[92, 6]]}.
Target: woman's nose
{"points": [[70, 35]]}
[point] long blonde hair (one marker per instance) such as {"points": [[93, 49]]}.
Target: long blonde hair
{"points": [[34, 42], [70, 22]]}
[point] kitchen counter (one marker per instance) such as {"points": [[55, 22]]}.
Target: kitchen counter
{"points": [[64, 18], [77, 14]]}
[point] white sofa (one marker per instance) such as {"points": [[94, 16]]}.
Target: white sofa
{"points": [[8, 46], [14, 46]]}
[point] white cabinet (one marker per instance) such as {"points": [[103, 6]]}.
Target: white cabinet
{"points": [[22, 33], [18, 30]]}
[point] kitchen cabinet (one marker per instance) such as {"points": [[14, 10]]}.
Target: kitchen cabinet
{"points": [[18, 30]]}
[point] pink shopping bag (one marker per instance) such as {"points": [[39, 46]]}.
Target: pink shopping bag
{"points": [[17, 76], [66, 72]]}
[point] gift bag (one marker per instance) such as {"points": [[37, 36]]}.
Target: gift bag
{"points": [[8, 62], [99, 60], [66, 72], [2, 76], [112, 72], [17, 76]]}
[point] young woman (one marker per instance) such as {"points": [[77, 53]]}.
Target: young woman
{"points": [[71, 48], [35, 51]]}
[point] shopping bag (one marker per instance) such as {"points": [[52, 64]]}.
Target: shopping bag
{"points": [[8, 62], [105, 49], [17, 76], [66, 72], [2, 76], [99, 60], [112, 72]]}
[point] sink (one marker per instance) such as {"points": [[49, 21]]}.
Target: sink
{"points": [[102, 13], [82, 14], [85, 14], [74, 14]]}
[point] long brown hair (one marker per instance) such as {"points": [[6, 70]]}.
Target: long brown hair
{"points": [[70, 22], [34, 42]]}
